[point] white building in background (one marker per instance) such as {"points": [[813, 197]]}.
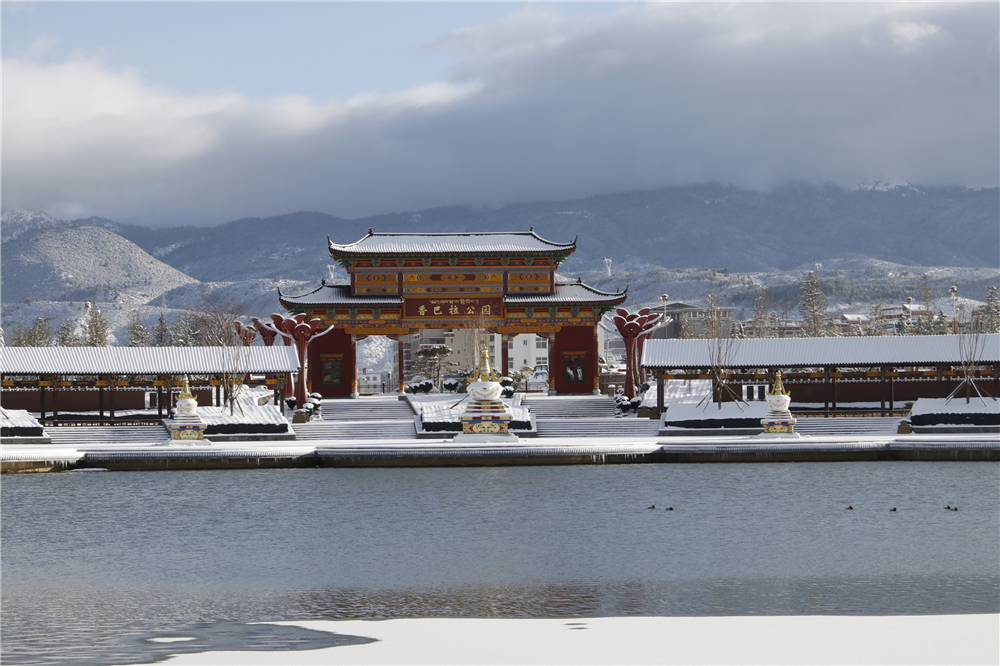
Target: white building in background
{"points": [[528, 351]]}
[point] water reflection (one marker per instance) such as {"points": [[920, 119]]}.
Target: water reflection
{"points": [[114, 626], [95, 564], [890, 596]]}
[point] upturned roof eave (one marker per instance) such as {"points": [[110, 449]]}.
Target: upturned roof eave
{"points": [[353, 249]]}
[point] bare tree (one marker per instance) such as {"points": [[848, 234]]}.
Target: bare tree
{"points": [[214, 321], [721, 351], [971, 345]]}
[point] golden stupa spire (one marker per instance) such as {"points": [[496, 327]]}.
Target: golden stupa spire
{"points": [[484, 371], [186, 390], [778, 389]]}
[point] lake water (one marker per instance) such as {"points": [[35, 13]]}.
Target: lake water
{"points": [[94, 565]]}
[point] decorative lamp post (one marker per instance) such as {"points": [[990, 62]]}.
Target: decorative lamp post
{"points": [[634, 327], [663, 299], [296, 330]]}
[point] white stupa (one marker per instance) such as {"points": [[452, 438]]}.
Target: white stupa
{"points": [[186, 424], [779, 421], [486, 418]]}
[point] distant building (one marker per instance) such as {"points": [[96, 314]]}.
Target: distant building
{"points": [[694, 315]]}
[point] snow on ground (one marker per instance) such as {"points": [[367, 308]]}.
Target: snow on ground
{"points": [[922, 639], [678, 390], [245, 411], [692, 411], [956, 405], [442, 407], [18, 418]]}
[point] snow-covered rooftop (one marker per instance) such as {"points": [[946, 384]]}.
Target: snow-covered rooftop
{"points": [[495, 242], [338, 294], [815, 352], [146, 360], [575, 292]]}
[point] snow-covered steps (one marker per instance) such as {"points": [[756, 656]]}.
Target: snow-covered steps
{"points": [[848, 425], [597, 427], [355, 430], [570, 407], [367, 409], [77, 436]]}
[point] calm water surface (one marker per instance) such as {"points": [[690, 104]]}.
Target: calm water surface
{"points": [[95, 564]]}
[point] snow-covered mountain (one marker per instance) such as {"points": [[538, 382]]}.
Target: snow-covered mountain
{"points": [[868, 242], [14, 223]]}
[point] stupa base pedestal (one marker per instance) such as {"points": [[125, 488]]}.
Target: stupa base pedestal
{"points": [[779, 435], [497, 438], [779, 425], [186, 429]]}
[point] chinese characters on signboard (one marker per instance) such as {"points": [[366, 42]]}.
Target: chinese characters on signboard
{"points": [[453, 308]]}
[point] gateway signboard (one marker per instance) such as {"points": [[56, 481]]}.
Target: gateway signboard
{"points": [[453, 307]]}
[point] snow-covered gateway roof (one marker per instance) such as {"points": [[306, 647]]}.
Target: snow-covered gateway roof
{"points": [[145, 360], [818, 352], [333, 295], [574, 292], [486, 243], [336, 294]]}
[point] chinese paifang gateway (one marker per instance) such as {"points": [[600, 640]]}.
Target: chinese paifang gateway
{"points": [[504, 282]]}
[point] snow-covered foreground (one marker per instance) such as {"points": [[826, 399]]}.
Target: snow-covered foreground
{"points": [[940, 639]]}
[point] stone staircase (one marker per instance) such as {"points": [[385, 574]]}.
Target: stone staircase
{"points": [[599, 427], [367, 409], [362, 418], [848, 425], [105, 434], [584, 416], [570, 407]]}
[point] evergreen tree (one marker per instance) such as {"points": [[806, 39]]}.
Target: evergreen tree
{"points": [[940, 325], [430, 362], [138, 334], [184, 333], [39, 335], [97, 329], [66, 336], [761, 319], [989, 315], [813, 307], [161, 334]]}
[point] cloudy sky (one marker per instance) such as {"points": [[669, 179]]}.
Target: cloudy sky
{"points": [[181, 113]]}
